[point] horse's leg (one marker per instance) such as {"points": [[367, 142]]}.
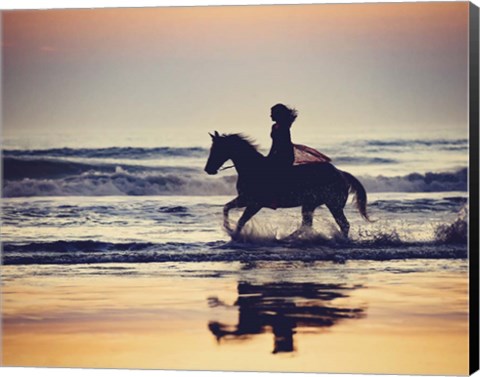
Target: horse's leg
{"points": [[249, 212], [226, 209], [307, 223], [340, 218], [307, 216]]}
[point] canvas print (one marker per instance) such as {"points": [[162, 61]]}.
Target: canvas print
{"points": [[240, 188]]}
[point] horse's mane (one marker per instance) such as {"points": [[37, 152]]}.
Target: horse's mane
{"points": [[242, 140]]}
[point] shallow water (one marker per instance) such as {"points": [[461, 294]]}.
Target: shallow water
{"points": [[70, 230]]}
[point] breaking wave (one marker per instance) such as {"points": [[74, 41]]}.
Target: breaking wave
{"points": [[121, 183], [415, 182], [73, 179], [170, 170], [42, 168], [457, 232]]}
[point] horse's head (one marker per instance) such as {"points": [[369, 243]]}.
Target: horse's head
{"points": [[219, 153]]}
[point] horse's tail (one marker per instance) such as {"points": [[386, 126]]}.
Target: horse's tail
{"points": [[360, 194]]}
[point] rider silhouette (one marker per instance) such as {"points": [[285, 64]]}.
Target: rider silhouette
{"points": [[284, 154], [281, 155]]}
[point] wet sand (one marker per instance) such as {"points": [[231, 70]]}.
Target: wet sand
{"points": [[359, 317]]}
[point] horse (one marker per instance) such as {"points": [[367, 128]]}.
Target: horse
{"points": [[308, 186]]}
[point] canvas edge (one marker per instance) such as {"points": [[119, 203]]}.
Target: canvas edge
{"points": [[474, 188]]}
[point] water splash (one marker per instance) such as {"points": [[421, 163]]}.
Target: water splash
{"points": [[456, 232]]}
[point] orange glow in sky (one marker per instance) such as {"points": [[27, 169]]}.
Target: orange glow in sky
{"points": [[370, 68]]}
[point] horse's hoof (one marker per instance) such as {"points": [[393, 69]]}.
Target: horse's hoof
{"points": [[235, 236], [342, 238]]}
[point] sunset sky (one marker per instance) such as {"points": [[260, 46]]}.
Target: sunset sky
{"points": [[166, 76]]}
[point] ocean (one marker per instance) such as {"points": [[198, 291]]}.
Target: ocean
{"points": [[71, 215]]}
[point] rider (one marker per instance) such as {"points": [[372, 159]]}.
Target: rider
{"points": [[283, 153], [281, 156]]}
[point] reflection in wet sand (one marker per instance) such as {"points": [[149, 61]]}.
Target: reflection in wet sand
{"points": [[414, 316], [280, 308]]}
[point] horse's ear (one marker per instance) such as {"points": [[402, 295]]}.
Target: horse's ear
{"points": [[217, 134], [213, 137]]}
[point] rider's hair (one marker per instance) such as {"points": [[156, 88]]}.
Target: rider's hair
{"points": [[288, 114]]}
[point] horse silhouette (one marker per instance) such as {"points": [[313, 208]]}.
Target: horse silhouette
{"points": [[306, 185]]}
